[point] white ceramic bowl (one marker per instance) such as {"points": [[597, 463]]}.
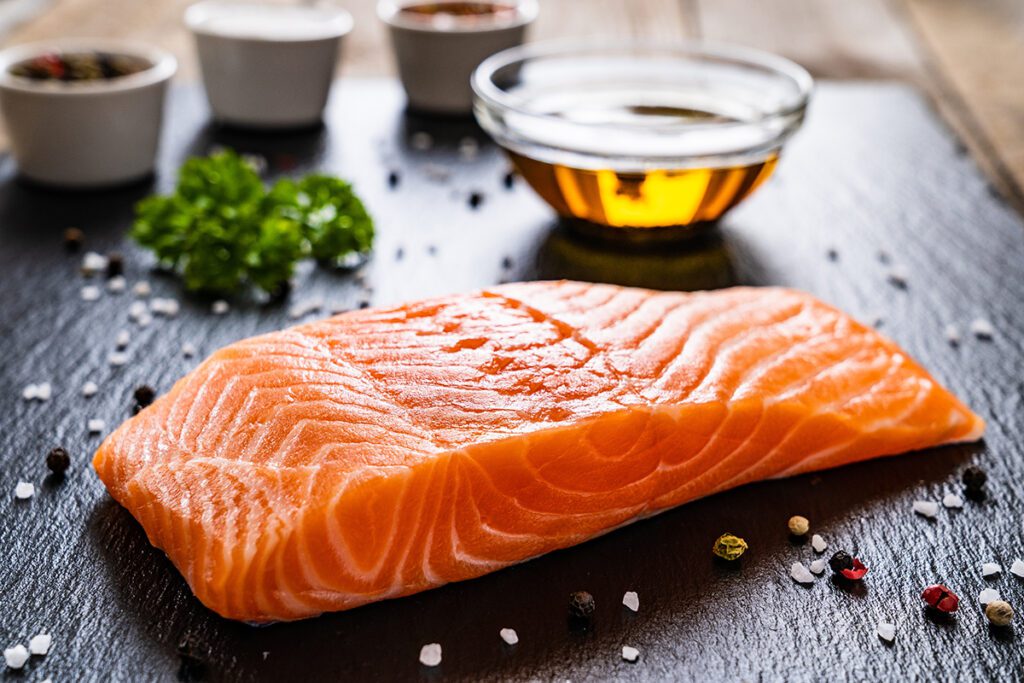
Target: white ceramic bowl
{"points": [[267, 65], [436, 59], [85, 133]]}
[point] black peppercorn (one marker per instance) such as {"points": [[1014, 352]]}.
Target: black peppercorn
{"points": [[73, 239], [581, 605], [115, 264], [144, 395], [832, 255], [364, 304], [393, 179], [840, 560], [399, 254], [506, 263], [509, 180], [974, 478], [475, 199], [58, 461]]}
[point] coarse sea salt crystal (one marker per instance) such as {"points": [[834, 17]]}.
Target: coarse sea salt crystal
{"points": [[30, 392], [137, 309], [144, 320], [44, 391], [89, 389], [122, 339], [951, 500], [926, 508], [800, 573], [818, 543], [117, 284], [886, 631], [24, 490], [630, 654], [988, 595], [631, 600], [509, 635], [142, 288], [117, 359], [220, 307], [952, 334], [165, 307], [95, 426], [16, 656], [1017, 568], [818, 566], [430, 654], [90, 293], [40, 644], [982, 329], [990, 569], [188, 349], [93, 262]]}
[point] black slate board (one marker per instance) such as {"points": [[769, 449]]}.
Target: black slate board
{"points": [[873, 171]]}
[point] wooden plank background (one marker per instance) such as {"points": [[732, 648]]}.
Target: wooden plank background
{"points": [[967, 56]]}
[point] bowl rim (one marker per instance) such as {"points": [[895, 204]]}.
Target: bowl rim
{"points": [[163, 66], [342, 21], [388, 11], [494, 97]]}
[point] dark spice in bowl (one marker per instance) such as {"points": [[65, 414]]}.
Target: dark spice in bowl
{"points": [[79, 66]]}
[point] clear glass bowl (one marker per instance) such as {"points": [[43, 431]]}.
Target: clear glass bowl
{"points": [[640, 136]]}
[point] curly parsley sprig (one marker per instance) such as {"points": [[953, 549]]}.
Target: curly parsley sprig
{"points": [[222, 229]]}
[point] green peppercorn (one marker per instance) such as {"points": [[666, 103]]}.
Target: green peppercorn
{"points": [[999, 612], [840, 560], [729, 547], [581, 605]]}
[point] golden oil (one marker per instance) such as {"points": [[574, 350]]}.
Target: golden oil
{"points": [[643, 199]]}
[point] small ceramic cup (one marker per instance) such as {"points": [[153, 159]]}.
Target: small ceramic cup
{"points": [[85, 133], [267, 65], [437, 51]]}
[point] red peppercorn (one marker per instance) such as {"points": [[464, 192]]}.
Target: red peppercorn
{"points": [[941, 598], [856, 572]]}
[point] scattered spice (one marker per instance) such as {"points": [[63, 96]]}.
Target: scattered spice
{"points": [[940, 597], [729, 547], [509, 181], [926, 508], [430, 654], [1017, 568], [886, 631], [143, 396], [982, 329], [631, 600], [630, 654], [818, 543], [988, 595], [999, 613], [581, 605], [364, 304], [432, 249], [951, 500], [990, 569], [840, 561], [974, 478], [115, 264], [506, 263], [798, 525], [897, 277], [24, 490], [856, 572], [475, 199], [73, 239], [509, 635], [58, 461], [883, 257], [800, 573], [399, 254], [79, 66], [40, 644], [393, 179], [832, 255], [16, 656]]}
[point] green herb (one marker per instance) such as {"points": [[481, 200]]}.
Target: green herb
{"points": [[222, 229]]}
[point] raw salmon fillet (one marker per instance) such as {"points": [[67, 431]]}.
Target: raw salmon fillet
{"points": [[387, 451]]}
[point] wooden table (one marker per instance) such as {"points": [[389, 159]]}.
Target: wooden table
{"points": [[873, 172], [967, 56]]}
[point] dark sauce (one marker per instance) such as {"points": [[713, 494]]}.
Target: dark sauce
{"points": [[79, 66], [461, 10]]}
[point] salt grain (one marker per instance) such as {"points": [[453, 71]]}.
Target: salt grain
{"points": [[142, 288], [90, 293], [430, 654], [951, 500], [818, 566], [886, 631], [631, 600], [165, 307], [95, 426], [93, 263], [30, 392], [137, 309], [219, 307], [630, 654], [800, 573], [16, 656], [188, 349], [509, 635], [1017, 568], [952, 334], [926, 508], [89, 389], [122, 339], [818, 543], [24, 490], [44, 391], [988, 595], [117, 359], [982, 329], [117, 284], [990, 569], [40, 644]]}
